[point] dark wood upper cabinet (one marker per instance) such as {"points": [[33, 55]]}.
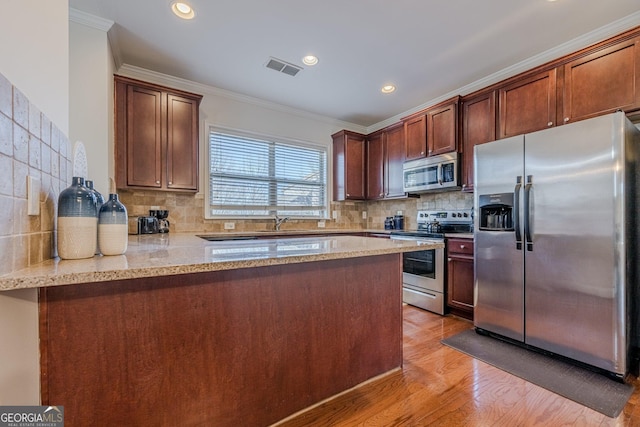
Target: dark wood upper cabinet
{"points": [[157, 135], [415, 133], [442, 128], [143, 124], [478, 127], [349, 166], [375, 166], [602, 82], [385, 156], [528, 104], [395, 154], [182, 153], [432, 131]]}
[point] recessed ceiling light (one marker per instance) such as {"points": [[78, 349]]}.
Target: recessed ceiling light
{"points": [[388, 88], [182, 9], [310, 60]]}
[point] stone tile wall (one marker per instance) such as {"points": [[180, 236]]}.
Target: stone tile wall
{"points": [[186, 214], [186, 211], [30, 145]]}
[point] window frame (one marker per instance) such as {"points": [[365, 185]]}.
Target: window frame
{"points": [[210, 127]]}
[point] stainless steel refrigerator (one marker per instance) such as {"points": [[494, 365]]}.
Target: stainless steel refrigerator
{"points": [[556, 240]]}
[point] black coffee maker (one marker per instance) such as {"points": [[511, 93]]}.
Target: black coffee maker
{"points": [[163, 222]]}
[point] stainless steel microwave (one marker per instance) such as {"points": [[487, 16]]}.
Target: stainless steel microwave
{"points": [[431, 173]]}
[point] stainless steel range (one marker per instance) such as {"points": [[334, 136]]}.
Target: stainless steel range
{"points": [[424, 272]]}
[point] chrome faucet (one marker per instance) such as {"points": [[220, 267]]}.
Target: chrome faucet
{"points": [[279, 222]]}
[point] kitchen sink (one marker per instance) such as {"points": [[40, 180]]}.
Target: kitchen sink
{"points": [[226, 238]]}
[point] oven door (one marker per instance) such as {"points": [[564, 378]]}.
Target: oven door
{"points": [[424, 270], [423, 277]]}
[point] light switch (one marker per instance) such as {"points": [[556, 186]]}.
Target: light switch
{"points": [[33, 196]]}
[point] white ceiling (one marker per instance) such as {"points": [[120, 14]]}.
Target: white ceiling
{"points": [[428, 49]]}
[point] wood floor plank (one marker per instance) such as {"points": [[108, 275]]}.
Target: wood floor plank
{"points": [[439, 386]]}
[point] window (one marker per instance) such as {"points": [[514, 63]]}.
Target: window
{"points": [[259, 177]]}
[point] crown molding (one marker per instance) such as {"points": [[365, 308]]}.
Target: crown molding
{"points": [[585, 40], [89, 20], [188, 85]]}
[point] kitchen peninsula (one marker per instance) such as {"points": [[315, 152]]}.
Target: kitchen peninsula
{"points": [[184, 331]]}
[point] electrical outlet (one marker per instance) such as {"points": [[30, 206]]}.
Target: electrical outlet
{"points": [[399, 213], [364, 215], [321, 224], [334, 214], [33, 196], [229, 225]]}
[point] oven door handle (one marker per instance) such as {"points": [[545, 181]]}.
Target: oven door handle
{"points": [[516, 212]]}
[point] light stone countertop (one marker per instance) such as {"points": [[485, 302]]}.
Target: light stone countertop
{"points": [[182, 253]]}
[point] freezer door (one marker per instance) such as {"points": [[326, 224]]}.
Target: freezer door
{"points": [[499, 268], [574, 293]]}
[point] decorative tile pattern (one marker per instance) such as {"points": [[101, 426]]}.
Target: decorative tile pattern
{"points": [[29, 145]]}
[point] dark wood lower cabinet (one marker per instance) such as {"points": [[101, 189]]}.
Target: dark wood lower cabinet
{"points": [[460, 276], [243, 347]]}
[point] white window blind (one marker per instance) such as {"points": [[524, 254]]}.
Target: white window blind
{"points": [[256, 177]]}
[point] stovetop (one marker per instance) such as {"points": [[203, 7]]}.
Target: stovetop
{"points": [[450, 221]]}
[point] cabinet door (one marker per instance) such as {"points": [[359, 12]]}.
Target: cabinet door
{"points": [[375, 167], [528, 105], [442, 135], [144, 137], [182, 143], [394, 143], [460, 277], [355, 167], [478, 127], [602, 82], [349, 166], [460, 285], [415, 133]]}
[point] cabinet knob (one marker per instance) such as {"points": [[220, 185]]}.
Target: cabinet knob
{"points": [[157, 182], [348, 194], [170, 182], [566, 119], [461, 246], [381, 194], [422, 153], [449, 259], [550, 124]]}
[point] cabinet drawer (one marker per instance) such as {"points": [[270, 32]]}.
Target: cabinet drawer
{"points": [[460, 246]]}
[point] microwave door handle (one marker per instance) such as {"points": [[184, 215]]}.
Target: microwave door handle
{"points": [[439, 173], [516, 212]]}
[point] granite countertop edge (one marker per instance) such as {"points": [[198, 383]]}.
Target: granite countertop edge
{"points": [[185, 253]]}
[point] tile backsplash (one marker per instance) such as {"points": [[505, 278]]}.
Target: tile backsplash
{"points": [[186, 212], [30, 145]]}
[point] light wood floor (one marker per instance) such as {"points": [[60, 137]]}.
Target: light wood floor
{"points": [[439, 386]]}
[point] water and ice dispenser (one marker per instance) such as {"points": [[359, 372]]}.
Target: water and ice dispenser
{"points": [[496, 212]]}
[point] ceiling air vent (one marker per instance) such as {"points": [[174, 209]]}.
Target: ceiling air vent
{"points": [[283, 67]]}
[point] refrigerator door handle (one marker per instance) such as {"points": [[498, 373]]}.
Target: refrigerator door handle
{"points": [[527, 212], [516, 212]]}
